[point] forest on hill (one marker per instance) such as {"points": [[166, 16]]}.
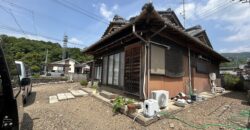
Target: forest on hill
{"points": [[33, 52], [236, 59]]}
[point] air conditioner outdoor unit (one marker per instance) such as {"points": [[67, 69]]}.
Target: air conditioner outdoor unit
{"points": [[161, 96]]}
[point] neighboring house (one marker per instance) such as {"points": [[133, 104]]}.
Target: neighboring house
{"points": [[66, 65], [82, 68], [229, 70], [153, 51]]}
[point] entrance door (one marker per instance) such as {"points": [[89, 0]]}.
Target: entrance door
{"points": [[132, 69]]}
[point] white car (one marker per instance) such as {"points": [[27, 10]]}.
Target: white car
{"points": [[24, 74], [54, 73]]}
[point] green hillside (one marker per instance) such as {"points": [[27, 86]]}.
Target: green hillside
{"points": [[33, 52], [236, 59]]}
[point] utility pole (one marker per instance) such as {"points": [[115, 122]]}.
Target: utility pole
{"points": [[46, 61], [64, 49]]}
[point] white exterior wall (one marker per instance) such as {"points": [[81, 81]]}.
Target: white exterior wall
{"points": [[72, 66]]}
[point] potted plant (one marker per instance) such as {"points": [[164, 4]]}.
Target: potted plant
{"points": [[131, 106], [95, 87], [118, 103]]}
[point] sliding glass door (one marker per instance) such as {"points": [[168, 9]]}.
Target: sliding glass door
{"points": [[113, 70], [110, 69]]}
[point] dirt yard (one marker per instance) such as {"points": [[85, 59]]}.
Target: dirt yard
{"points": [[223, 112]]}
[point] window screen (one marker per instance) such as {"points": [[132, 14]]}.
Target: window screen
{"points": [[157, 59], [202, 67], [174, 62]]}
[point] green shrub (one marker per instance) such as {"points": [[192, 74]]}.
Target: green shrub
{"points": [[35, 68], [118, 103], [232, 82], [84, 82], [36, 76]]}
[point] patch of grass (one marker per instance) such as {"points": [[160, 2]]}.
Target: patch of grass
{"points": [[84, 82]]}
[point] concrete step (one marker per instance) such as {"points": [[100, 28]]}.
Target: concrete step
{"points": [[53, 99], [108, 95], [61, 96], [69, 96], [78, 93]]}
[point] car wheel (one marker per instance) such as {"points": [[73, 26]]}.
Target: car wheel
{"points": [[30, 90]]}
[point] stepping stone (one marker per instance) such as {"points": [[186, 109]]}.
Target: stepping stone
{"points": [[69, 95], [108, 95], [78, 93], [53, 99], [61, 96]]}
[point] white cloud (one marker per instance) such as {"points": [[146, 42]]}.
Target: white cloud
{"points": [[233, 14], [106, 12], [74, 40]]}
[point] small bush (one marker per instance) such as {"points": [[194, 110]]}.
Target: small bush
{"points": [[84, 82], [232, 82], [118, 103], [36, 76]]}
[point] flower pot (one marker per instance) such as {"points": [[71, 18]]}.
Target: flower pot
{"points": [[131, 108]]}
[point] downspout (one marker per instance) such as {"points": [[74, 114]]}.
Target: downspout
{"points": [[147, 54], [189, 73], [145, 49]]}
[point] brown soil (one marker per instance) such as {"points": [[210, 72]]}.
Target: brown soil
{"points": [[91, 114]]}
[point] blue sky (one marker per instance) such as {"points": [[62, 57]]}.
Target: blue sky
{"points": [[227, 23]]}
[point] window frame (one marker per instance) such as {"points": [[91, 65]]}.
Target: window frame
{"points": [[165, 72], [160, 74], [118, 86]]}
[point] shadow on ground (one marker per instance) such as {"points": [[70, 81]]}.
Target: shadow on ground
{"points": [[236, 95], [31, 99], [27, 122]]}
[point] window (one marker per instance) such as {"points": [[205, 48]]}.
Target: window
{"points": [[174, 62], [113, 70], [116, 68], [110, 70], [167, 62], [1, 86], [18, 68], [157, 59], [98, 72], [122, 64], [14, 76], [202, 67], [105, 70]]}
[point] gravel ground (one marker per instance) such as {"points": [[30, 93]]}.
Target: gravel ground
{"points": [[91, 114]]}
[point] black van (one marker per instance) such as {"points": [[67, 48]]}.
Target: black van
{"points": [[11, 106]]}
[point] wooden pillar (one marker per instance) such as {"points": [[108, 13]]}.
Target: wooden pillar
{"points": [[93, 73]]}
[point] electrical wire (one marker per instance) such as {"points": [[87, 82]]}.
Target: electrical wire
{"points": [[32, 34], [216, 10], [80, 11], [72, 26], [15, 19]]}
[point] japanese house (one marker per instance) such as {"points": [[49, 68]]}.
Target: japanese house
{"points": [[153, 51]]}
